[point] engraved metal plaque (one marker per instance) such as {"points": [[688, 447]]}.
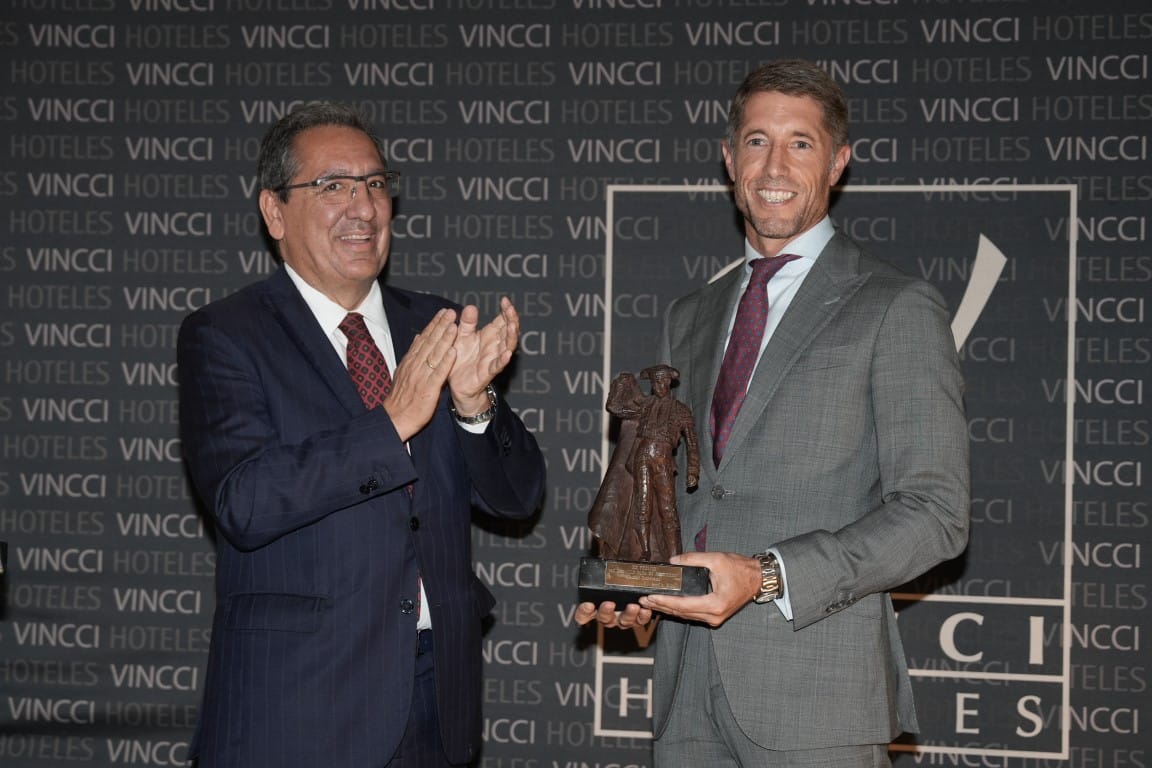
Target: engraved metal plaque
{"points": [[624, 581], [618, 573]]}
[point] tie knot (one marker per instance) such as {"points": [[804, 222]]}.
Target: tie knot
{"points": [[353, 326], [764, 269]]}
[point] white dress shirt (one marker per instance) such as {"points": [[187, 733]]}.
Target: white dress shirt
{"points": [[782, 288], [330, 314]]}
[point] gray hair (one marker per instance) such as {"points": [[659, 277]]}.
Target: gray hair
{"points": [[278, 163]]}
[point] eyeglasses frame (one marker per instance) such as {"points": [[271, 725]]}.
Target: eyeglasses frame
{"points": [[390, 177]]}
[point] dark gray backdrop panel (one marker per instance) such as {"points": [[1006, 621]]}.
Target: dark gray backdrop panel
{"points": [[127, 187]]}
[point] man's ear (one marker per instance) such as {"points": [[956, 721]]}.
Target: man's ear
{"points": [[839, 163], [272, 210]]}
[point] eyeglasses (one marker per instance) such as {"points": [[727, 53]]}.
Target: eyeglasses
{"points": [[340, 190]]}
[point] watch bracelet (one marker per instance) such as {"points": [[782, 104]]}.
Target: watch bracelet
{"points": [[771, 580], [483, 416]]}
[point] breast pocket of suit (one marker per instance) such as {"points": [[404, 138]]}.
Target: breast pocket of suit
{"points": [[818, 359], [826, 396]]}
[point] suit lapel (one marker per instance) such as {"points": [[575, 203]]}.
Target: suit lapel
{"points": [[704, 339], [292, 313], [403, 325], [831, 282]]}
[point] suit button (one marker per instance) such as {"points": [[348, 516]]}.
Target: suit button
{"points": [[364, 489], [414, 523], [407, 606], [718, 492]]}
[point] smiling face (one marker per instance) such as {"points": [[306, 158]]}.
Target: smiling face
{"points": [[338, 249], [783, 162]]}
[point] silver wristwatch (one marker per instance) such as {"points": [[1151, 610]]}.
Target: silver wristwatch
{"points": [[481, 417], [771, 582]]}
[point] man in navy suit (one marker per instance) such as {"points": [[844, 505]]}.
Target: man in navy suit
{"points": [[347, 624]]}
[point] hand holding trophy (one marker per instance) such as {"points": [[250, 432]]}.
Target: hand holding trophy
{"points": [[634, 517]]}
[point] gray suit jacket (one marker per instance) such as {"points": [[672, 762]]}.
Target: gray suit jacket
{"points": [[849, 455]]}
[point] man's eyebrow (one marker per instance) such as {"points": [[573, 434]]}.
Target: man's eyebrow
{"points": [[797, 133], [327, 174]]}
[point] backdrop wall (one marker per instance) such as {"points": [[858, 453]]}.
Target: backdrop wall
{"points": [[555, 151]]}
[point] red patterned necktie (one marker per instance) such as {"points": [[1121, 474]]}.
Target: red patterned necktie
{"points": [[369, 371], [366, 364], [743, 351]]}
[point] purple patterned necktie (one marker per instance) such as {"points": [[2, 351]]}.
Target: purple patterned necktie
{"points": [[740, 360], [743, 351], [366, 364]]}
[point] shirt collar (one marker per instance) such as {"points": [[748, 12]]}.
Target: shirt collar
{"points": [[807, 245], [330, 314]]}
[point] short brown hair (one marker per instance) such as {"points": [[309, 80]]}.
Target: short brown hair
{"points": [[793, 77]]}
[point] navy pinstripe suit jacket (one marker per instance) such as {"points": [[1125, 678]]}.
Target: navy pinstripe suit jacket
{"points": [[319, 542]]}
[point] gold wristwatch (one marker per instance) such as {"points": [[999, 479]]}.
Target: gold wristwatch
{"points": [[771, 582]]}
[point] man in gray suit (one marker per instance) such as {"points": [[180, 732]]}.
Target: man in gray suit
{"points": [[842, 474]]}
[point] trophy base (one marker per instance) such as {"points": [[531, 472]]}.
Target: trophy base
{"points": [[625, 581]]}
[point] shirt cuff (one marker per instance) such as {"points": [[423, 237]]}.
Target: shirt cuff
{"points": [[476, 429], [782, 602]]}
